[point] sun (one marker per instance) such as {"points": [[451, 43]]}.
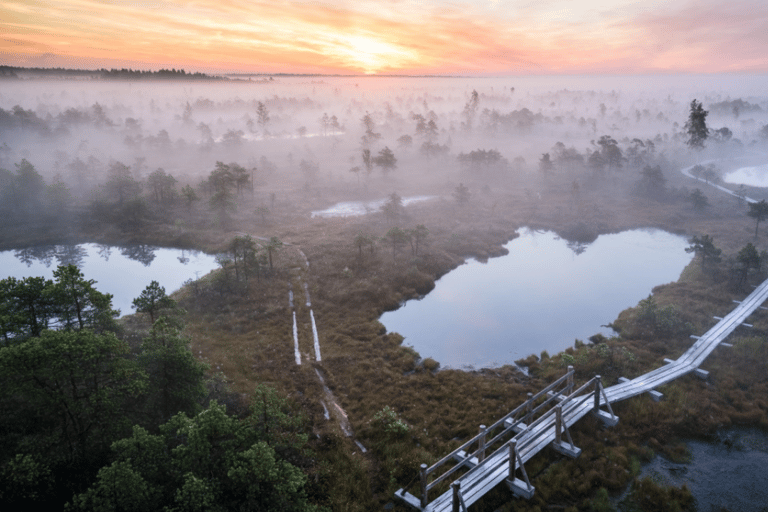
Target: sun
{"points": [[372, 55]]}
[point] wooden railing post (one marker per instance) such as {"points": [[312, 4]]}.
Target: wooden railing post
{"points": [[558, 422], [512, 459], [570, 378], [456, 486], [481, 447], [424, 498], [597, 393]]}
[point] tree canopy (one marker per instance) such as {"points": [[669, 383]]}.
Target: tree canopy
{"points": [[696, 126], [759, 212], [72, 388]]}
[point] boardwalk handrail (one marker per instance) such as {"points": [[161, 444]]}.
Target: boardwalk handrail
{"points": [[486, 472], [466, 457]]}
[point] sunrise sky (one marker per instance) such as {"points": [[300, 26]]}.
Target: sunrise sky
{"points": [[457, 37]]}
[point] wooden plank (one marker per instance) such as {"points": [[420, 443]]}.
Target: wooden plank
{"points": [[408, 498], [461, 456], [486, 475]]}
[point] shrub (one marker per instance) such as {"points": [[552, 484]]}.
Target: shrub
{"points": [[388, 421]]}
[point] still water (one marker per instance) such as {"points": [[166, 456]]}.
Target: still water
{"points": [[752, 176], [355, 208], [541, 296], [122, 271], [727, 474]]}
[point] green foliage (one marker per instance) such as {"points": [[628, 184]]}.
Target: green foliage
{"points": [[747, 260], [387, 421], [601, 501], [704, 248], [396, 237], [273, 421], [67, 395], [26, 480], [393, 209], [153, 300], [175, 376], [272, 246], [699, 200], [78, 304], [655, 320], [759, 212], [417, 236], [31, 305], [566, 359], [118, 487], [221, 182], [648, 496], [696, 126], [652, 182], [386, 160], [210, 461], [26, 307]]}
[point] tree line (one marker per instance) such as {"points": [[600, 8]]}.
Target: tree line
{"points": [[94, 422]]}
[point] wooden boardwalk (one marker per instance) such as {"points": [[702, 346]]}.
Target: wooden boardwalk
{"points": [[544, 418]]}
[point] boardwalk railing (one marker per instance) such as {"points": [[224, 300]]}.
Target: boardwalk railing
{"points": [[544, 418], [511, 423]]}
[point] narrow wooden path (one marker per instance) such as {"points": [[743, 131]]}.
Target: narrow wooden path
{"points": [[544, 418]]}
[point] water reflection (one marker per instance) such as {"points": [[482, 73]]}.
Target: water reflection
{"points": [[76, 254], [121, 271], [45, 254], [70, 255], [541, 296], [144, 254], [105, 251]]}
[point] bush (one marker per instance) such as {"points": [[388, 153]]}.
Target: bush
{"points": [[431, 365], [387, 421]]}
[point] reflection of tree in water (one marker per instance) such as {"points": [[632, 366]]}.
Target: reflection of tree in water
{"points": [[105, 251], [577, 247], [142, 253], [183, 259], [42, 253], [71, 255]]}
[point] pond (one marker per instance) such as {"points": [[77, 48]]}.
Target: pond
{"points": [[729, 473], [354, 208], [122, 271], [543, 295], [752, 176]]}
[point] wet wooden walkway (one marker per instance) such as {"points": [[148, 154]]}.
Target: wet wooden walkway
{"points": [[544, 418]]}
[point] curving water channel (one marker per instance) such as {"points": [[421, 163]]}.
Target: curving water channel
{"points": [[122, 271], [543, 295]]}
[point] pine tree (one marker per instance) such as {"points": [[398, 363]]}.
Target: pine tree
{"points": [[696, 126]]}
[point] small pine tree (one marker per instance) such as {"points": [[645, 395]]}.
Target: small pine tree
{"points": [[696, 126]]}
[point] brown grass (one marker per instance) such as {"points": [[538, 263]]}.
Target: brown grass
{"points": [[247, 337]]}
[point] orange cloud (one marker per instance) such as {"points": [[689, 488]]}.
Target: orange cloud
{"points": [[388, 36]]}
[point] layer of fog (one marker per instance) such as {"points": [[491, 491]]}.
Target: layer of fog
{"points": [[313, 135]]}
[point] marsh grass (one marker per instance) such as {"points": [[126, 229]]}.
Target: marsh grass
{"points": [[247, 337]]}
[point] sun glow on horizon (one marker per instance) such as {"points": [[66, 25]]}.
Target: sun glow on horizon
{"points": [[373, 55], [375, 36]]}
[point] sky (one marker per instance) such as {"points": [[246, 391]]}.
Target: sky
{"points": [[444, 37]]}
